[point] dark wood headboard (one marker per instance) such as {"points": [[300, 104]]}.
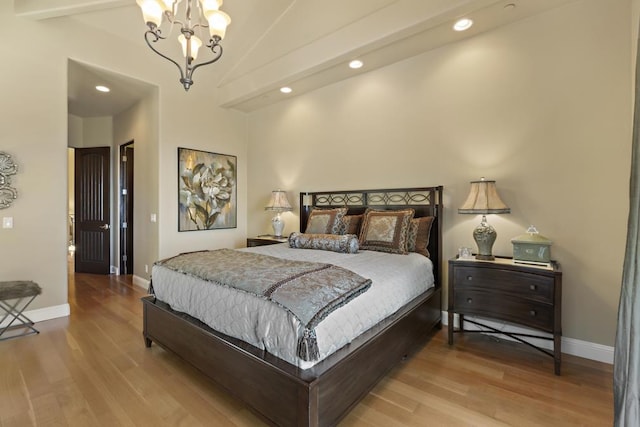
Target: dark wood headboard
{"points": [[426, 201]]}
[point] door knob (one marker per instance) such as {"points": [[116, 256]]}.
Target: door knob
{"points": [[105, 226]]}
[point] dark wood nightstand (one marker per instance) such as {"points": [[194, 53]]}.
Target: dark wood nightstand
{"points": [[264, 240], [526, 295]]}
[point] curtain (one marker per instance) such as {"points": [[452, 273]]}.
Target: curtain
{"points": [[626, 370]]}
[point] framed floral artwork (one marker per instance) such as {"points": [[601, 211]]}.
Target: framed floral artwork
{"points": [[207, 190]]}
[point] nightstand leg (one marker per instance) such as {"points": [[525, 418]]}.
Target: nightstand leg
{"points": [[450, 327]]}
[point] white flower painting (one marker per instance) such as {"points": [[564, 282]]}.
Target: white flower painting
{"points": [[207, 190]]}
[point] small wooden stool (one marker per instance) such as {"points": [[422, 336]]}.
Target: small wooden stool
{"points": [[15, 297]]}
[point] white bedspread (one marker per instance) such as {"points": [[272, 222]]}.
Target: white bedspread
{"points": [[396, 280]]}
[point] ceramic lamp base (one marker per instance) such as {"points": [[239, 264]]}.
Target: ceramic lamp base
{"points": [[484, 235], [278, 225]]}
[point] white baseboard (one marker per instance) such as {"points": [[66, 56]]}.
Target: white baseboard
{"points": [[588, 350], [42, 314], [141, 282]]}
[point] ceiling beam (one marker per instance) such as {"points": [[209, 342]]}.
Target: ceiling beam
{"points": [[45, 9]]}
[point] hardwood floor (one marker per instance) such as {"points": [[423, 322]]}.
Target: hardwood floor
{"points": [[92, 369]]}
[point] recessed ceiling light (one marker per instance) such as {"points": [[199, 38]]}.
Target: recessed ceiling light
{"points": [[463, 24], [355, 64], [102, 88], [286, 89]]}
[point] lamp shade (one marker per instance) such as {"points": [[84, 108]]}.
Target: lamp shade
{"points": [[151, 11], [209, 5], [278, 202], [483, 199], [195, 43], [218, 23]]}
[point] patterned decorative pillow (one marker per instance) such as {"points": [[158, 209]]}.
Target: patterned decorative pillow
{"points": [[386, 231], [350, 224], [325, 221], [418, 237], [345, 243]]}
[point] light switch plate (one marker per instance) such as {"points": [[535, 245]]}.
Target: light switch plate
{"points": [[7, 222]]}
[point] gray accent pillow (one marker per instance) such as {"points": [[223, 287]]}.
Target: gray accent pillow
{"points": [[345, 243]]}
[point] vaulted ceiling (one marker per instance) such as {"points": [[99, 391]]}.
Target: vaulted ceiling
{"points": [[304, 44]]}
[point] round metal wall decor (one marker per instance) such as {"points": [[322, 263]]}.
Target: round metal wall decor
{"points": [[7, 168]]}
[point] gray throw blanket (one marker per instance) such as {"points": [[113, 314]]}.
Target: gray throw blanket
{"points": [[308, 290]]}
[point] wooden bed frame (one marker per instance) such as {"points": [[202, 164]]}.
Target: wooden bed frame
{"points": [[281, 393]]}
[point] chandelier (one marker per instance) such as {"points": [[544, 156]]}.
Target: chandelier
{"points": [[190, 16]]}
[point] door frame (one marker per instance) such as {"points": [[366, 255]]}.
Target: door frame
{"points": [[126, 200]]}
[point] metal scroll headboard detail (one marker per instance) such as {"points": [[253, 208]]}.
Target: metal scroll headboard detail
{"points": [[7, 168], [374, 198]]}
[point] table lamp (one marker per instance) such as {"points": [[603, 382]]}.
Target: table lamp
{"points": [[279, 204], [483, 199]]}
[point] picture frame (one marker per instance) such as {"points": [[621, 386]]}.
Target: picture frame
{"points": [[207, 191]]}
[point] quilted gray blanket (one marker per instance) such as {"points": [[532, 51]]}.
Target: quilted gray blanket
{"points": [[308, 290]]}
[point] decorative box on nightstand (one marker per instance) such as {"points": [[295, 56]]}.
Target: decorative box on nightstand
{"points": [[263, 240], [529, 296]]}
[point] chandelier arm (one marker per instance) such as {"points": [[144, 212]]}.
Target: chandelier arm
{"points": [[173, 21], [156, 38], [199, 25], [208, 62]]}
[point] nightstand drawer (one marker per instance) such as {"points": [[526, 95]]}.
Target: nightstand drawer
{"points": [[516, 283], [505, 307], [265, 240]]}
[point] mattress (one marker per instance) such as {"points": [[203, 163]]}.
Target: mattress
{"points": [[396, 280]]}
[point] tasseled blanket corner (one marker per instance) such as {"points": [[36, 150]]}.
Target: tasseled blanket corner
{"points": [[308, 346]]}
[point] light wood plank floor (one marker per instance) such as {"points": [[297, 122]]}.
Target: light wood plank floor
{"points": [[92, 369]]}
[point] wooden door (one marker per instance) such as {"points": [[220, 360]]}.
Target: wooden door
{"points": [[126, 208], [92, 210]]}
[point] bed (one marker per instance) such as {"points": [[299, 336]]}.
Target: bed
{"points": [[321, 392]]}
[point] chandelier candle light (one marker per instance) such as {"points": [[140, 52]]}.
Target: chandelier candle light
{"points": [[189, 16], [278, 203], [483, 199]]}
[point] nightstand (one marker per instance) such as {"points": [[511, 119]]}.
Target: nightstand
{"points": [[526, 295], [265, 240]]}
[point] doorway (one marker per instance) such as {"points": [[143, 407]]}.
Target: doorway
{"points": [[127, 114], [126, 208]]}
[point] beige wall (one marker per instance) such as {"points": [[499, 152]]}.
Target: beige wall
{"points": [[34, 127], [543, 106], [90, 131], [209, 129]]}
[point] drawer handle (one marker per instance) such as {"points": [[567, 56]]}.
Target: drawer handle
{"points": [[469, 300], [533, 287], [532, 312], [469, 277]]}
